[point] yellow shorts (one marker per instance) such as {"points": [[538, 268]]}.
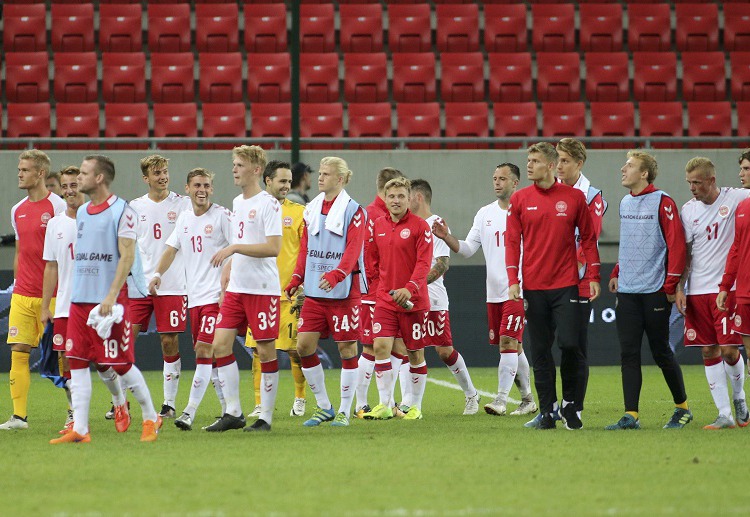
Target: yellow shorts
{"points": [[24, 321], [287, 339]]}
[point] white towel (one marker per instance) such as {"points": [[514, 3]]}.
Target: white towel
{"points": [[103, 324], [334, 219]]}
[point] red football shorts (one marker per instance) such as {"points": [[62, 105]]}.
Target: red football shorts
{"points": [[706, 325], [258, 312], [438, 329], [203, 323], [340, 319], [411, 326], [60, 330], [741, 320], [506, 319], [368, 313], [84, 343], [170, 310]]}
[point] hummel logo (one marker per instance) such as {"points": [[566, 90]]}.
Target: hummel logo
{"points": [[712, 385], [381, 235], [597, 205], [531, 208]]}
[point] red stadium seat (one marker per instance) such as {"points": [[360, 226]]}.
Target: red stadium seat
{"points": [[371, 120], [361, 28], [120, 28], [26, 77], [273, 120], [467, 119], [649, 27], [418, 119], [176, 121], [703, 76], [172, 77], [615, 119], [601, 27], [736, 27], [409, 28], [561, 119], [265, 28], [514, 119], [321, 121], [510, 77], [709, 119], [24, 28], [123, 77], [505, 28], [316, 29], [553, 27], [75, 77], [743, 120], [558, 76], [457, 27], [697, 28], [414, 77], [462, 77], [169, 27], [217, 27], [268, 77], [661, 119], [72, 27], [655, 76], [223, 120], [126, 121], [28, 121], [607, 76], [740, 75], [319, 77], [220, 77], [366, 77], [77, 121]]}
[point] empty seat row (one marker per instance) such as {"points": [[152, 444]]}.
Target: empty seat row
{"points": [[374, 120], [220, 77], [553, 27]]}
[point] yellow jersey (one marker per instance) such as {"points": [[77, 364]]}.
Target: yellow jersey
{"points": [[292, 229]]}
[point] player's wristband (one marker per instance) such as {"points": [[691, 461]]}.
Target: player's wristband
{"points": [[156, 275]]}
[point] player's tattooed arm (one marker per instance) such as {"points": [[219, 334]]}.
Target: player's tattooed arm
{"points": [[439, 269]]}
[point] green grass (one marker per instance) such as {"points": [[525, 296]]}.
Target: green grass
{"points": [[446, 464]]}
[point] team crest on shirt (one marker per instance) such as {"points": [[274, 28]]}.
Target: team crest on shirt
{"points": [[46, 217], [738, 321], [376, 327], [172, 216], [404, 235], [691, 334], [143, 218], [489, 222], [561, 206], [57, 339], [69, 345], [208, 229], [13, 331], [287, 222], [723, 210], [251, 214], [492, 334]]}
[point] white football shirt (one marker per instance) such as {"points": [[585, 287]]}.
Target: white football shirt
{"points": [[156, 222], [59, 243], [253, 220], [437, 290], [709, 232], [488, 232], [198, 238]]}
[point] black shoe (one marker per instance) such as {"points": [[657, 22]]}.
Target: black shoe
{"points": [[167, 411], [547, 422], [258, 425], [110, 415], [570, 418], [226, 422]]}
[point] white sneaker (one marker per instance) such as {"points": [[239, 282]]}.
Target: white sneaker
{"points": [[255, 413], [496, 407], [298, 408], [526, 407], [14, 422], [472, 405]]}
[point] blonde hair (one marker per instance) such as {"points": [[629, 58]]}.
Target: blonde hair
{"points": [[251, 153], [339, 165], [573, 147], [40, 159], [153, 162], [648, 163], [706, 166], [545, 149], [199, 171], [400, 182]]}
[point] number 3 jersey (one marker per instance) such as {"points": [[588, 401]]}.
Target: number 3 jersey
{"points": [[198, 238], [156, 222], [709, 231]]}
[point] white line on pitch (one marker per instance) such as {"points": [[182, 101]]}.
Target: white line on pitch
{"points": [[483, 393]]}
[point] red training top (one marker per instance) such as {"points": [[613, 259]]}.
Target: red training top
{"points": [[375, 210], [740, 249], [596, 210]]}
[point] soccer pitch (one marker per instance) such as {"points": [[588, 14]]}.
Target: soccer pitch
{"points": [[446, 464]]}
